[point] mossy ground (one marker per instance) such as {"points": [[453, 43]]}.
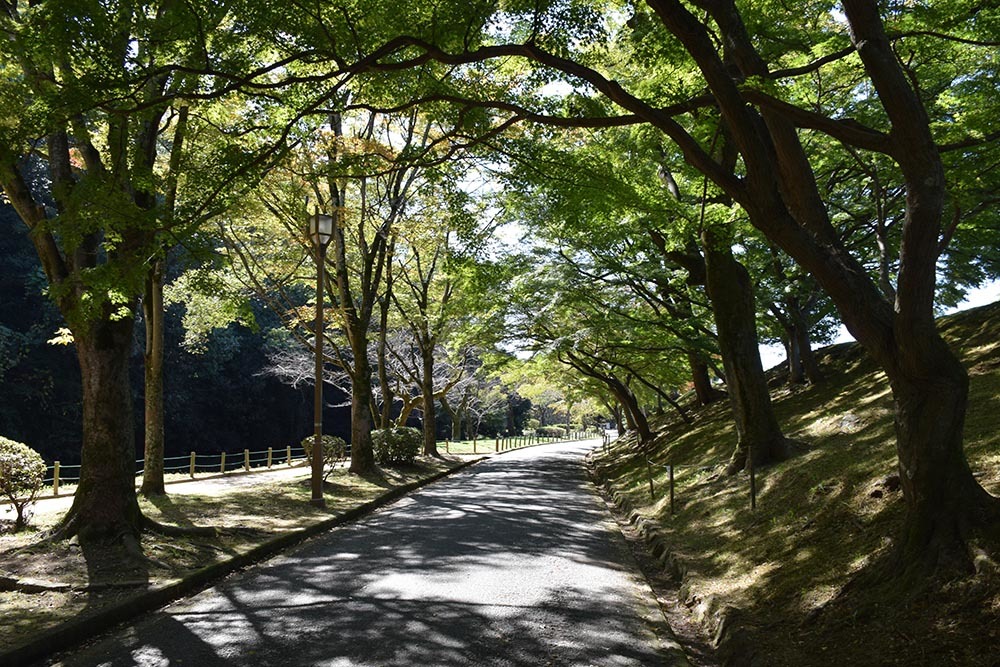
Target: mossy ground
{"points": [[826, 517]]}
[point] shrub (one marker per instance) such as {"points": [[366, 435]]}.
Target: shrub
{"points": [[551, 431], [22, 472], [393, 446], [334, 449]]}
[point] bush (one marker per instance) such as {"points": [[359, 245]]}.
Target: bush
{"points": [[334, 449], [397, 445], [22, 472], [551, 431]]}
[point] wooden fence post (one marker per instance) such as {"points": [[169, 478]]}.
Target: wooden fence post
{"points": [[649, 473], [270, 452], [288, 455], [671, 489], [55, 478], [222, 465], [191, 467], [246, 460], [447, 446]]}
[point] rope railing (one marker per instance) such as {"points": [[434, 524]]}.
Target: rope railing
{"points": [[193, 464], [265, 459], [505, 443], [671, 467]]}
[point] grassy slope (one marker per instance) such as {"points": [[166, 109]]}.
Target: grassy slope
{"points": [[822, 518]]}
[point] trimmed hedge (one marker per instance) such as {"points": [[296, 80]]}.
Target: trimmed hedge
{"points": [[334, 449], [398, 445], [22, 473], [551, 431]]}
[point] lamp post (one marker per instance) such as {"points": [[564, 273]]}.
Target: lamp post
{"points": [[320, 232]]}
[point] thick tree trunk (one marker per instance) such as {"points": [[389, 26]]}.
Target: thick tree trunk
{"points": [[152, 308], [105, 506], [943, 499], [427, 389], [731, 294], [703, 388], [362, 456]]}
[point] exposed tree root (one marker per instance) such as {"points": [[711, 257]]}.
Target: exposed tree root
{"points": [[178, 531]]}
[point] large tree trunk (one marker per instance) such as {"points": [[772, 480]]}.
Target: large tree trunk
{"points": [[731, 294], [105, 506], [152, 308], [943, 499]]}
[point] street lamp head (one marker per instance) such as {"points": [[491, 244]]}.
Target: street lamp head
{"points": [[320, 228]]}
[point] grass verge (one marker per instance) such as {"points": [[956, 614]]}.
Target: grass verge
{"points": [[45, 585]]}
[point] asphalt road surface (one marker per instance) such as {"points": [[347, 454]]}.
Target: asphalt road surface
{"points": [[514, 561]]}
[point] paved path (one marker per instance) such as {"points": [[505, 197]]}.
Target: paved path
{"points": [[512, 562]]}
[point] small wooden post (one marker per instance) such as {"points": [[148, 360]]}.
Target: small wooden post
{"points": [[246, 460], [753, 481], [649, 473], [270, 454], [288, 455], [55, 478], [671, 489], [473, 445], [447, 446], [222, 465], [191, 465]]}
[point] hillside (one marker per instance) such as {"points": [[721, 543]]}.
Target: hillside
{"points": [[771, 586]]}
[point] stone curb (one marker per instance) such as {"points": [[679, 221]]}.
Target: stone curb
{"points": [[723, 625], [79, 630]]}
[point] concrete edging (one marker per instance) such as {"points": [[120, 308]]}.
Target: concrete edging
{"points": [[78, 630]]}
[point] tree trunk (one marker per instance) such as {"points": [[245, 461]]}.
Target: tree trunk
{"points": [[456, 423], [810, 368], [943, 499], [731, 294], [362, 456], [634, 415], [427, 389], [105, 506], [703, 388], [152, 307], [796, 375], [616, 413]]}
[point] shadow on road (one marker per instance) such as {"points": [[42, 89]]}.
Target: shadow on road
{"points": [[510, 563]]}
